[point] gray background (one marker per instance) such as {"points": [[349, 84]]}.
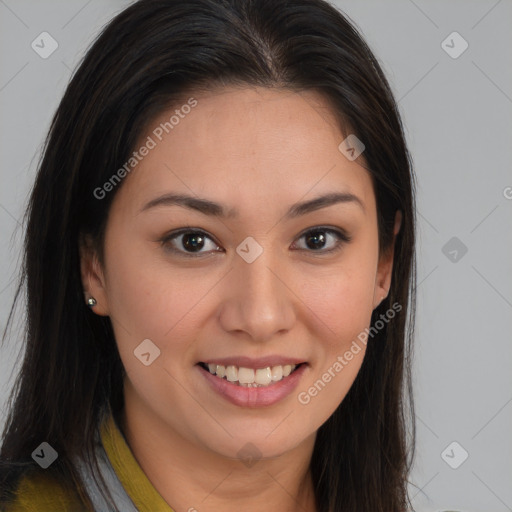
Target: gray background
{"points": [[457, 114]]}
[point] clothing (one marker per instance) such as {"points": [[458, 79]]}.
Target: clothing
{"points": [[129, 486]]}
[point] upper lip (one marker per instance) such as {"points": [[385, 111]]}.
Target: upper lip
{"points": [[254, 363]]}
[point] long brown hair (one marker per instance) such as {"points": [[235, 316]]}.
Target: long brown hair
{"points": [[146, 57]]}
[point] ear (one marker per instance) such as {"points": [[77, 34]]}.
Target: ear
{"points": [[385, 266], [93, 279]]}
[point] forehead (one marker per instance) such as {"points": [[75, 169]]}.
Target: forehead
{"points": [[250, 144]]}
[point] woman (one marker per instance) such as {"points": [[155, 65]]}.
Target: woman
{"points": [[219, 265]]}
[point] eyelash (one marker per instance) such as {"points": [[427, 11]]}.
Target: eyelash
{"points": [[343, 238]]}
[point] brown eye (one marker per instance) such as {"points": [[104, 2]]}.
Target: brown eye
{"points": [[318, 238], [188, 242], [191, 242]]}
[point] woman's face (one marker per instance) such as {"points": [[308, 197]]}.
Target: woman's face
{"points": [[265, 284]]}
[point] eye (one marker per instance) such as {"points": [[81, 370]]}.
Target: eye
{"points": [[318, 237], [190, 241]]}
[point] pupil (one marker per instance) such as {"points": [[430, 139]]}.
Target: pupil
{"points": [[189, 241], [318, 236]]}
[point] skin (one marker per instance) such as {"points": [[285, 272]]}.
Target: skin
{"points": [[259, 151]]}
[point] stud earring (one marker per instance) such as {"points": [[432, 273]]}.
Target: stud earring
{"points": [[91, 302]]}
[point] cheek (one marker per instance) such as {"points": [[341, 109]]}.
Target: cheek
{"points": [[337, 359], [342, 298], [149, 298], [343, 302], [150, 305], [156, 302], [137, 294], [345, 309]]}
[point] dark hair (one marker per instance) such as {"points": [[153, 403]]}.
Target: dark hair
{"points": [[147, 57]]}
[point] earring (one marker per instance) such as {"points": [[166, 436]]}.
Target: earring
{"points": [[91, 302]]}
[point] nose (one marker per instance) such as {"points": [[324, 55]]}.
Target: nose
{"points": [[259, 298]]}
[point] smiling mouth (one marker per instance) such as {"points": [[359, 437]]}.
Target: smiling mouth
{"points": [[249, 377]]}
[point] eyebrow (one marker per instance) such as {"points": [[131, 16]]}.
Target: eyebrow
{"points": [[208, 207]]}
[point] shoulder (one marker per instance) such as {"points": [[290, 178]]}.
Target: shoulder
{"points": [[41, 491]]}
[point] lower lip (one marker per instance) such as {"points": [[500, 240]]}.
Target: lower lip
{"points": [[254, 397]]}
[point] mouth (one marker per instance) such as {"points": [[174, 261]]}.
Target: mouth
{"points": [[243, 376]]}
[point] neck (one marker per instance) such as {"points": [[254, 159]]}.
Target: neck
{"points": [[191, 477]]}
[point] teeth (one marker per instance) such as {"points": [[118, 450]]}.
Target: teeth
{"points": [[263, 376], [220, 370], [277, 373], [250, 378], [231, 373], [245, 375]]}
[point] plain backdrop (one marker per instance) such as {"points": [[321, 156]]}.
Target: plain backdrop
{"points": [[457, 110]]}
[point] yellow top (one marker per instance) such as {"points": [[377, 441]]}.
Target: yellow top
{"points": [[40, 492]]}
